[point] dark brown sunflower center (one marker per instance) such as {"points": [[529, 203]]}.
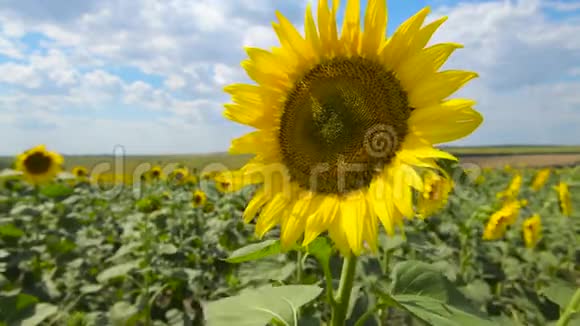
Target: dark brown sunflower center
{"points": [[38, 163], [342, 122], [156, 173], [197, 199], [81, 173]]}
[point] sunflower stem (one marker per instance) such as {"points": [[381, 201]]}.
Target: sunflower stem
{"points": [[571, 309], [342, 299]]}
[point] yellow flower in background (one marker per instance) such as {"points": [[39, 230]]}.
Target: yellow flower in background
{"points": [[508, 168], [80, 172], [191, 179], [531, 229], [222, 186], [156, 173], [564, 198], [540, 179], [180, 175], [39, 165], [199, 198], [436, 190], [342, 119], [501, 219], [513, 189]]}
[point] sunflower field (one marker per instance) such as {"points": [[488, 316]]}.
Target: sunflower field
{"points": [[177, 252], [347, 211]]}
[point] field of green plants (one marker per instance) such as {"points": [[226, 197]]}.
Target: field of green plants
{"points": [[76, 253]]}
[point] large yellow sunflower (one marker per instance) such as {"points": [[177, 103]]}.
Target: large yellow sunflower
{"points": [[342, 119], [39, 165]]}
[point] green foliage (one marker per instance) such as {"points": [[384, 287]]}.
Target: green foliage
{"points": [[72, 254]]}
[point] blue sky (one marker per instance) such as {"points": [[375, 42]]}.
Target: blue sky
{"points": [[85, 76]]}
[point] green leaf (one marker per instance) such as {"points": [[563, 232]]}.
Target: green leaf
{"points": [[10, 231], [321, 249], [559, 292], [117, 271], [422, 290], [255, 251], [415, 277], [167, 249], [124, 250], [12, 305], [41, 312], [121, 312], [259, 306], [55, 190], [438, 313], [91, 288], [391, 242], [478, 291]]}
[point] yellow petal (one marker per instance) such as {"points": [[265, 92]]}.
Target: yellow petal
{"points": [[259, 200], [291, 40], [417, 147], [310, 30], [353, 210], [322, 218], [351, 27], [449, 121], [423, 36], [412, 178], [253, 142], [271, 214], [266, 77], [375, 27], [437, 87], [370, 227], [402, 193], [424, 64], [293, 224], [338, 235], [398, 45]]}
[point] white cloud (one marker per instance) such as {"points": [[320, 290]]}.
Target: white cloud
{"points": [[524, 59], [94, 58]]}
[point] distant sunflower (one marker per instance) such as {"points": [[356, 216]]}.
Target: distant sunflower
{"points": [[531, 229], [39, 165], [342, 119], [501, 219], [180, 175], [80, 172], [156, 173], [540, 179], [222, 186], [199, 198], [564, 198], [513, 189], [434, 196]]}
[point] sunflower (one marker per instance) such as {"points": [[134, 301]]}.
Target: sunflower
{"points": [[39, 165], [436, 190], [531, 229], [80, 172], [222, 185], [564, 198], [501, 219], [540, 179], [156, 173], [342, 119], [513, 189], [179, 175], [199, 198]]}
